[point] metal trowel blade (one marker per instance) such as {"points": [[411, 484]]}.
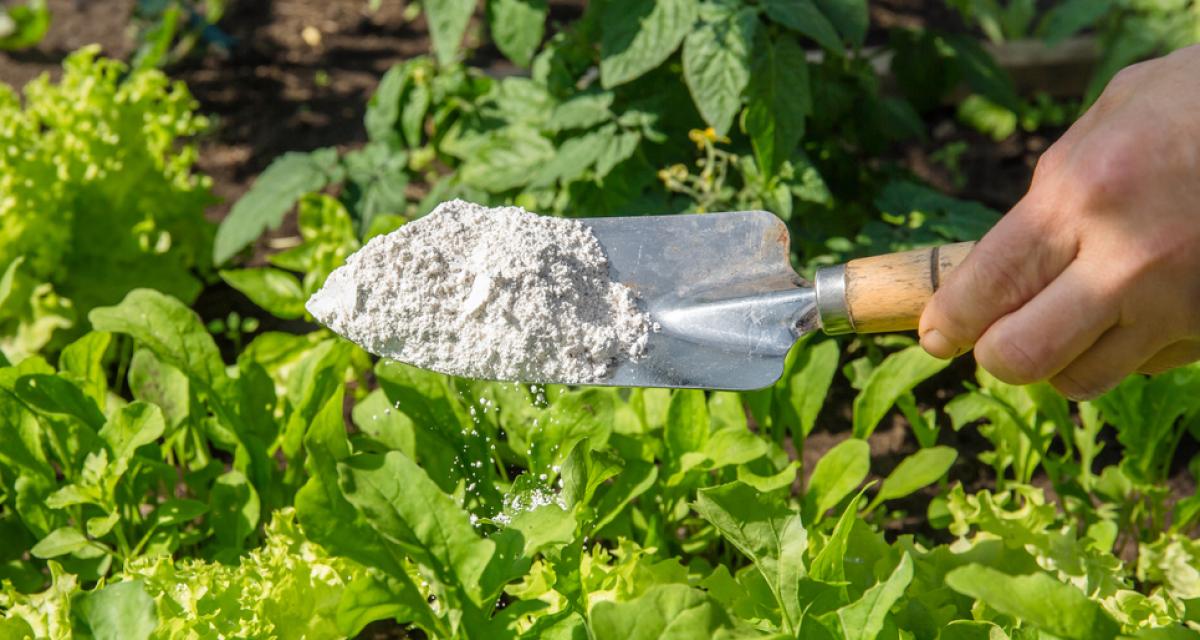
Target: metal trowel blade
{"points": [[720, 287]]}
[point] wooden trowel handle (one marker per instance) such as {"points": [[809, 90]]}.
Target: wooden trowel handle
{"points": [[884, 293]]}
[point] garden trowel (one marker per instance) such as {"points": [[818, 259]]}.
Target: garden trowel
{"points": [[730, 306]]}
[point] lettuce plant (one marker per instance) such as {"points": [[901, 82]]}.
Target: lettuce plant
{"points": [[97, 196]]}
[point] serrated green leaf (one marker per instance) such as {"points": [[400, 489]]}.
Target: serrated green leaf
{"points": [[575, 156], [637, 36], [517, 27], [849, 16], [383, 109], [779, 100], [616, 149], [716, 65], [447, 22], [581, 111], [804, 17], [507, 159], [1069, 17], [376, 180]]}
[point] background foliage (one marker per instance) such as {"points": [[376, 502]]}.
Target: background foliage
{"points": [[150, 487]]}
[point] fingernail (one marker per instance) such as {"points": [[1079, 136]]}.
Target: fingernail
{"points": [[937, 345]]}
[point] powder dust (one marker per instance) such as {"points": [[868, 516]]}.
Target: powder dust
{"points": [[494, 293]]}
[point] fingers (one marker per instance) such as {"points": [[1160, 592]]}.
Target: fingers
{"points": [[1173, 355], [1115, 355], [1008, 267], [1050, 331]]}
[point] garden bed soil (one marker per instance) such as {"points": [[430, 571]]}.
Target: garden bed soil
{"points": [[302, 72]]}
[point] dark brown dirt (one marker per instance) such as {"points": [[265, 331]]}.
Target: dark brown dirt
{"points": [[298, 80], [75, 23]]}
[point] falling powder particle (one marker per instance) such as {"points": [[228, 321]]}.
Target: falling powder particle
{"points": [[494, 293]]}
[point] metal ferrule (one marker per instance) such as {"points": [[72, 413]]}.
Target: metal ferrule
{"points": [[830, 285]]}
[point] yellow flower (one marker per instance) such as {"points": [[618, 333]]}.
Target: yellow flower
{"points": [[706, 136], [673, 174]]}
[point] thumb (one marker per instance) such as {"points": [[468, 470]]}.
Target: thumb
{"points": [[1006, 269]]}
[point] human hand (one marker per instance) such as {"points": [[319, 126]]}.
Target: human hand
{"points": [[1095, 273]]}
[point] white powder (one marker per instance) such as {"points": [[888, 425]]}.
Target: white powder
{"points": [[494, 293]]}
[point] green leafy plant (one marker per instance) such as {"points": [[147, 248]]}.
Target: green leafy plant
{"points": [[168, 30], [490, 510], [1000, 21], [1128, 30], [327, 239], [97, 196], [626, 93], [150, 488], [23, 26]]}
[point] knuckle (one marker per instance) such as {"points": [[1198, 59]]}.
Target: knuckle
{"points": [[1112, 174], [1130, 75], [993, 274], [1049, 162]]}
